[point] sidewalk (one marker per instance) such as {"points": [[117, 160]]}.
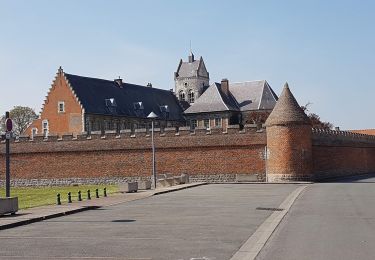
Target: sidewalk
{"points": [[27, 216]]}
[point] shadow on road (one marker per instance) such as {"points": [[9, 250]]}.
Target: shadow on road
{"points": [[364, 178]]}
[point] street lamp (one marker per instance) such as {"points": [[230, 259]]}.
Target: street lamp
{"points": [[153, 116]]}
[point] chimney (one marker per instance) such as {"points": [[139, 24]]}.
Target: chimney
{"points": [[149, 85], [191, 57], [337, 128], [225, 86], [119, 82]]}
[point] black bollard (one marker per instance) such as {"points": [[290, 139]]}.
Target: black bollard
{"points": [[69, 197], [97, 193], [105, 192], [79, 196], [88, 195], [58, 199]]}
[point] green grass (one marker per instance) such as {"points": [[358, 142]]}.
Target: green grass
{"points": [[29, 197]]}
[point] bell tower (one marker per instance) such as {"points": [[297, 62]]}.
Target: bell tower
{"points": [[191, 79]]}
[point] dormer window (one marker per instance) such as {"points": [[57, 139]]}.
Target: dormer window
{"points": [[110, 102], [164, 109], [61, 106], [138, 105]]}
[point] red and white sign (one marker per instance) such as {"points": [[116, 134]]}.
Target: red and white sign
{"points": [[9, 124]]}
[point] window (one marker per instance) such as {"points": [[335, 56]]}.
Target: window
{"points": [[206, 123], [193, 123], [181, 95], [185, 84], [164, 109], [218, 122], [34, 131], [108, 125], [45, 127], [110, 102], [138, 105], [191, 96], [61, 107]]}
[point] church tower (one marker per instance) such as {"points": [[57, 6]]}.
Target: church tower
{"points": [[191, 79]]}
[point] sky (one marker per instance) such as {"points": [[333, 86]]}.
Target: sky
{"points": [[323, 49]]}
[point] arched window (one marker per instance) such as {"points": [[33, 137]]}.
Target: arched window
{"points": [[181, 95], [191, 96]]}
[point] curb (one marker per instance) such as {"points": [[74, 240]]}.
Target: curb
{"points": [[38, 219], [270, 183], [254, 244], [181, 188]]}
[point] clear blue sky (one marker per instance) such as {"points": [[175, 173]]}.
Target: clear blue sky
{"points": [[324, 49]]}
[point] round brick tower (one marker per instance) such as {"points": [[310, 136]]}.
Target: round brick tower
{"points": [[289, 141]]}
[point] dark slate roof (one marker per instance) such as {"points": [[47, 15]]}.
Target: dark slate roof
{"points": [[188, 69], [253, 95], [93, 92], [213, 100], [287, 111]]}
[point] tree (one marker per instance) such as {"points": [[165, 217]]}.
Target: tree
{"points": [[258, 117], [315, 119], [21, 116]]}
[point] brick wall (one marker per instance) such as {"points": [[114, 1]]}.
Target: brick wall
{"points": [[338, 153], [205, 155]]}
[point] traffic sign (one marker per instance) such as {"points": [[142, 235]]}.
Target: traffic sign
{"points": [[8, 135], [9, 124]]}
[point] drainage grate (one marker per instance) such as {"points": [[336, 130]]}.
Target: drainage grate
{"points": [[270, 209]]}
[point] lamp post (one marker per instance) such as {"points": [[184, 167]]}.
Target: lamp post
{"points": [[9, 128], [153, 116]]}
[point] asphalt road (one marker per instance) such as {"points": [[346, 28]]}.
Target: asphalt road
{"points": [[208, 222], [328, 221]]}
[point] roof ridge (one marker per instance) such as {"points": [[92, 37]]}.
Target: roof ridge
{"points": [[239, 82], [220, 94]]}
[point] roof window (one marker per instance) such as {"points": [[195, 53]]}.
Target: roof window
{"points": [[138, 105], [110, 102], [164, 109]]}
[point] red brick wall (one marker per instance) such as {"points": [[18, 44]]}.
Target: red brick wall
{"points": [[342, 153], [198, 154]]}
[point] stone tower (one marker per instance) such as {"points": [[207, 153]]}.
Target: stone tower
{"points": [[191, 79], [289, 141]]}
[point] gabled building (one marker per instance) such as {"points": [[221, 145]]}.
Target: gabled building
{"points": [[227, 103], [77, 104]]}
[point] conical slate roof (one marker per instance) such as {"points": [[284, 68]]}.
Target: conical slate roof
{"points": [[287, 111]]}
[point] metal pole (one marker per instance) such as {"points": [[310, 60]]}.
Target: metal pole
{"points": [[7, 163], [153, 155]]}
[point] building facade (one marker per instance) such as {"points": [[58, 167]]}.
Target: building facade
{"points": [[77, 104], [225, 103]]}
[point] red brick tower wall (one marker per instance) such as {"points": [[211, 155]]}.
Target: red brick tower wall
{"points": [[290, 153], [289, 141]]}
